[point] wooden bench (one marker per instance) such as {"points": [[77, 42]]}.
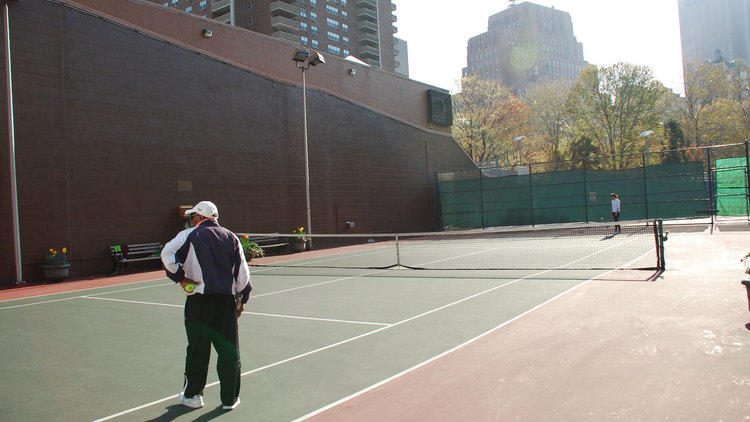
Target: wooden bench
{"points": [[135, 252], [269, 242]]}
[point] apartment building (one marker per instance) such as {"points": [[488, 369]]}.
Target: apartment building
{"points": [[360, 28], [402, 57], [715, 30], [524, 44]]}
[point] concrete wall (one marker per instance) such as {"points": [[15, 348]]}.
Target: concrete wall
{"points": [[110, 121]]}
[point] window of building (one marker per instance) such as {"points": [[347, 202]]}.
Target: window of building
{"points": [[303, 26], [175, 2], [189, 9], [313, 16], [303, 12], [343, 2], [344, 14], [314, 29], [346, 53], [346, 40], [203, 5], [332, 10], [345, 27], [313, 3], [332, 1], [304, 40], [332, 23], [335, 50], [315, 43], [334, 36]]}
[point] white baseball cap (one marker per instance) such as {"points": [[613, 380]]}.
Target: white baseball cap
{"points": [[204, 208]]}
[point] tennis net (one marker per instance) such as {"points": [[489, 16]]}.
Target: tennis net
{"points": [[638, 245]]}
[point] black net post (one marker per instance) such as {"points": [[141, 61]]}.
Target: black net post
{"points": [[663, 263]]}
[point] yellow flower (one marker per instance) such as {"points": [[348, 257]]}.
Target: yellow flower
{"points": [[65, 250]]}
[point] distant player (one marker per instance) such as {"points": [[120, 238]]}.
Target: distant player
{"points": [[616, 211], [210, 258]]}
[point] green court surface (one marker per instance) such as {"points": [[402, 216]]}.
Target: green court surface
{"points": [[308, 339]]}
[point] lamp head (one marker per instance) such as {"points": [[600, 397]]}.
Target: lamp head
{"points": [[519, 138], [316, 59], [301, 56], [647, 133]]}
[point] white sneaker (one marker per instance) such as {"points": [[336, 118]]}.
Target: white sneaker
{"points": [[232, 407], [194, 402]]}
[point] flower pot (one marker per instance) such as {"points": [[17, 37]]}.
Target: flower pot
{"points": [[56, 273], [298, 246]]}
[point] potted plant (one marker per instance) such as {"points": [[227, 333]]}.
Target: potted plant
{"points": [[56, 266], [250, 248], [299, 242]]}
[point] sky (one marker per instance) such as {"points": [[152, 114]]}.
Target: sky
{"points": [[642, 32]]}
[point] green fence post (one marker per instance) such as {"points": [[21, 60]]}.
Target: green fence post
{"points": [[711, 199], [747, 176], [645, 187], [481, 196], [531, 197], [585, 196], [438, 205]]}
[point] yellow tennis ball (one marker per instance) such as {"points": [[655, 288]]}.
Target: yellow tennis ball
{"points": [[189, 287]]}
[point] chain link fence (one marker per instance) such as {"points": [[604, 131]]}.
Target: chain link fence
{"points": [[685, 183]]}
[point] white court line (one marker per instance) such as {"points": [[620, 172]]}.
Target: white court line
{"points": [[80, 290], [244, 313], [80, 296], [434, 358], [365, 335], [329, 346], [315, 284]]}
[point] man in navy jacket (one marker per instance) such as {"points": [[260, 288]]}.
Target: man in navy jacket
{"points": [[211, 258]]}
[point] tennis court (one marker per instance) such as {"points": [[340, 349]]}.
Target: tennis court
{"points": [[310, 337]]}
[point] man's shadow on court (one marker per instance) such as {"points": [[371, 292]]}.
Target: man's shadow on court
{"points": [[176, 410]]}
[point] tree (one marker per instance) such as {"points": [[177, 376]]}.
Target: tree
{"points": [[675, 141], [704, 84], [583, 153], [549, 119], [612, 105], [486, 119]]}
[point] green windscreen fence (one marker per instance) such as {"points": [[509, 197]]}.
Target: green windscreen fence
{"points": [[474, 199], [731, 186]]}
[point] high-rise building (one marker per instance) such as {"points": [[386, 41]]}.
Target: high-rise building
{"points": [[524, 44], [402, 57], [360, 28], [715, 30]]}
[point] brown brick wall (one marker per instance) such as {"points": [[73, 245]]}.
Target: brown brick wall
{"points": [[106, 127], [372, 87]]}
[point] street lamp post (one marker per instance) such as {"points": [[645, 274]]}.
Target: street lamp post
{"points": [[304, 60], [646, 134]]}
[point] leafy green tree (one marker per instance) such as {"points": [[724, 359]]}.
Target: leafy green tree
{"points": [[612, 105], [550, 119], [583, 153], [705, 83], [675, 140], [486, 119]]}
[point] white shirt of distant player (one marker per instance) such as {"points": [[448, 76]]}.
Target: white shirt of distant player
{"points": [[616, 205]]}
